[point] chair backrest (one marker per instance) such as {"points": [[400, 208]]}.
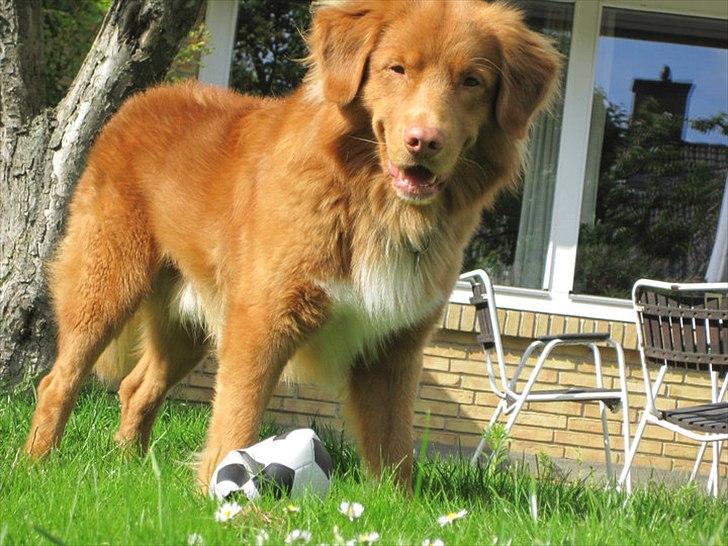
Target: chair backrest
{"points": [[488, 330], [487, 317], [683, 325]]}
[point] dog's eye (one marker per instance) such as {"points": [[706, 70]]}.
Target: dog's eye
{"points": [[397, 68], [471, 81]]}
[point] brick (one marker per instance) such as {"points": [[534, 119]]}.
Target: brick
{"points": [[658, 433], [436, 408], [454, 313], [573, 325], [512, 323], [201, 380], [541, 419], [577, 379], [276, 402], [683, 451], [629, 341], [446, 394], [441, 378], [467, 320], [446, 351], [430, 362], [474, 367], [527, 323], [567, 437], [312, 392], [468, 426], [561, 408], [591, 409], [701, 394], [475, 383], [422, 421], [557, 325], [477, 411], [311, 407], [538, 434], [485, 399], [541, 327], [592, 425], [285, 388], [616, 330]]}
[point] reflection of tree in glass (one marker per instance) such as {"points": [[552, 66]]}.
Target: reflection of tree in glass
{"points": [[493, 245], [269, 45], [656, 205]]}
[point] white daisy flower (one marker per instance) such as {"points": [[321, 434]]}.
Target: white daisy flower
{"points": [[368, 538], [447, 519], [352, 510], [297, 535], [430, 542], [195, 539], [261, 538], [227, 511]]}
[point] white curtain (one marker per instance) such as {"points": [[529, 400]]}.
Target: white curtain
{"points": [[718, 265]]}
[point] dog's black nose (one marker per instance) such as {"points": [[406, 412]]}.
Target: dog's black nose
{"points": [[425, 141]]}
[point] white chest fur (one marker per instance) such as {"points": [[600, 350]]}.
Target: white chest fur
{"points": [[382, 298]]}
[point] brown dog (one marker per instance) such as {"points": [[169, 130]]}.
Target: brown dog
{"points": [[325, 228]]}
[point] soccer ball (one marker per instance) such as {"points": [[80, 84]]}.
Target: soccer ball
{"points": [[288, 464]]}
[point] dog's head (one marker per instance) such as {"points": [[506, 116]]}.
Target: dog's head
{"points": [[435, 77]]}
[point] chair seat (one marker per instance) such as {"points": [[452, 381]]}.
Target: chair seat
{"points": [[705, 418], [610, 397]]}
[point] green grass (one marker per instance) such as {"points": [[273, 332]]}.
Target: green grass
{"points": [[88, 492]]}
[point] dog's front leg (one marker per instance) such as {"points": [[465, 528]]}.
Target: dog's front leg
{"points": [[257, 341], [380, 403]]}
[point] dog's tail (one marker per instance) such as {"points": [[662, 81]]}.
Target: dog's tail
{"points": [[121, 354]]}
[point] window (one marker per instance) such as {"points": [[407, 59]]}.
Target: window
{"points": [[657, 158], [512, 239]]}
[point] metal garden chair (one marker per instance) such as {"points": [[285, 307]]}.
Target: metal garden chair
{"points": [[685, 326], [506, 388]]}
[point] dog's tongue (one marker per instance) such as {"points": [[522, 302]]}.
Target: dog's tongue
{"points": [[412, 180]]}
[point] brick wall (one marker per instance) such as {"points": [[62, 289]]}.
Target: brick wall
{"points": [[454, 391]]}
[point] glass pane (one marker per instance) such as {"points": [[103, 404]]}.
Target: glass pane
{"points": [[512, 238], [658, 153], [269, 46]]}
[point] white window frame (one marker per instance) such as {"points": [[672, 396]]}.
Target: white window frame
{"points": [[556, 296]]}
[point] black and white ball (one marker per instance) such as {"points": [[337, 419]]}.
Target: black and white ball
{"points": [[288, 464]]}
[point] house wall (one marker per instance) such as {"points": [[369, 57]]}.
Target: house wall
{"points": [[454, 390]]}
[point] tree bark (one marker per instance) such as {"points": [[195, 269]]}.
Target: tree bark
{"points": [[43, 151]]}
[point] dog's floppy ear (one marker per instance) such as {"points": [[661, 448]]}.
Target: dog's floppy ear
{"points": [[343, 35], [528, 78]]}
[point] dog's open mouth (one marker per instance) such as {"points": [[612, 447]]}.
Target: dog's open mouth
{"points": [[415, 182]]}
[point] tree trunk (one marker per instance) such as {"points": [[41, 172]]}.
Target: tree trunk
{"points": [[43, 151]]}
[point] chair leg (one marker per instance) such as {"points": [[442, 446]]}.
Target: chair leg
{"points": [[603, 410], [632, 450], [625, 409], [713, 478], [481, 445], [698, 460]]}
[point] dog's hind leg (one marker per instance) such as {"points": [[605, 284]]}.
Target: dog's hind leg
{"points": [[170, 351], [102, 271]]}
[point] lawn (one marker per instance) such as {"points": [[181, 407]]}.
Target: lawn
{"points": [[89, 492]]}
